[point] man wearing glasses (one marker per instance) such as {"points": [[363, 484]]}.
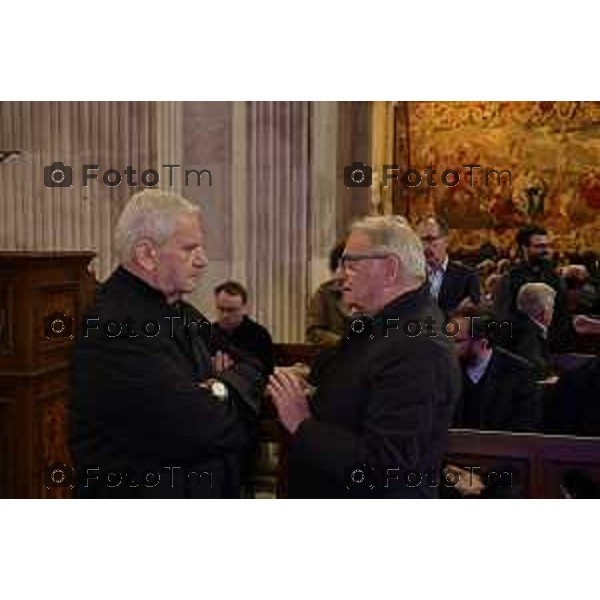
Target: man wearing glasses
{"points": [[377, 421], [450, 282]]}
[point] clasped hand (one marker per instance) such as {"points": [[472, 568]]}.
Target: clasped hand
{"points": [[289, 394]]}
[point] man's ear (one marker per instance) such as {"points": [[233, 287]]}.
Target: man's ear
{"points": [[392, 268], [145, 254]]}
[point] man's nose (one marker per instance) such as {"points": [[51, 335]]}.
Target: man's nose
{"points": [[200, 259]]}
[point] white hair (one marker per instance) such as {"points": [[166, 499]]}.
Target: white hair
{"points": [[534, 298], [150, 214], [393, 234]]}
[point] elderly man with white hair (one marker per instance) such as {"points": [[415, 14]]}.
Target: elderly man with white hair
{"points": [[158, 410], [377, 421], [535, 303]]}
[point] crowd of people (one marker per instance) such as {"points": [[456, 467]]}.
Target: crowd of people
{"points": [[517, 317], [412, 344]]}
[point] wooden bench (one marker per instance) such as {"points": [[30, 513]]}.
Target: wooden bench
{"points": [[544, 462]]}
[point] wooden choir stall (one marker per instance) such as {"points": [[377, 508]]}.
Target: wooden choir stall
{"points": [[35, 363]]}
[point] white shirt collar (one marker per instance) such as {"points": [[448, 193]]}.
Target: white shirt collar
{"points": [[543, 327], [443, 266], [477, 370]]}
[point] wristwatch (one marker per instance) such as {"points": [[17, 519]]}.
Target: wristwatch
{"points": [[216, 387]]}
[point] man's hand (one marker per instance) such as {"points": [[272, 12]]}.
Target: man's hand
{"points": [[585, 325], [469, 483], [222, 361], [289, 397], [299, 370]]}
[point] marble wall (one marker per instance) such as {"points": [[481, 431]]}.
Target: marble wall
{"points": [[276, 205], [71, 217]]}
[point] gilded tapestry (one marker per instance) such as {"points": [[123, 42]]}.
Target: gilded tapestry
{"points": [[552, 150]]}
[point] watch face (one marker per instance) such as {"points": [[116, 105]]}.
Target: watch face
{"points": [[219, 390]]}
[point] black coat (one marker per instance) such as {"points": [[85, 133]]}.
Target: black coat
{"points": [[137, 408], [507, 397], [252, 338], [573, 404], [384, 402], [528, 341], [459, 282]]}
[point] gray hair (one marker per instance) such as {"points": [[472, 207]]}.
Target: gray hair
{"points": [[151, 214], [533, 298], [393, 234]]}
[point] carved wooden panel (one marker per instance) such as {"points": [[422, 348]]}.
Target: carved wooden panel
{"points": [[55, 301], [6, 318], [6, 450], [36, 377], [52, 446]]}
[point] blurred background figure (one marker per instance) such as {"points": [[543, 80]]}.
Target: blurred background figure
{"points": [[234, 324], [327, 317], [450, 282], [535, 266], [499, 389], [503, 266], [529, 339], [582, 295], [485, 268], [490, 287]]}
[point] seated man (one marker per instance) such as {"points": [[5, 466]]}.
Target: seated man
{"points": [[499, 388], [535, 303], [151, 414], [234, 324], [450, 282], [327, 318]]}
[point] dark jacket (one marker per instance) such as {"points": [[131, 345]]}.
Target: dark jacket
{"points": [[382, 409], [573, 404], [137, 407], [529, 341], [252, 338], [326, 319], [507, 397], [459, 282]]}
